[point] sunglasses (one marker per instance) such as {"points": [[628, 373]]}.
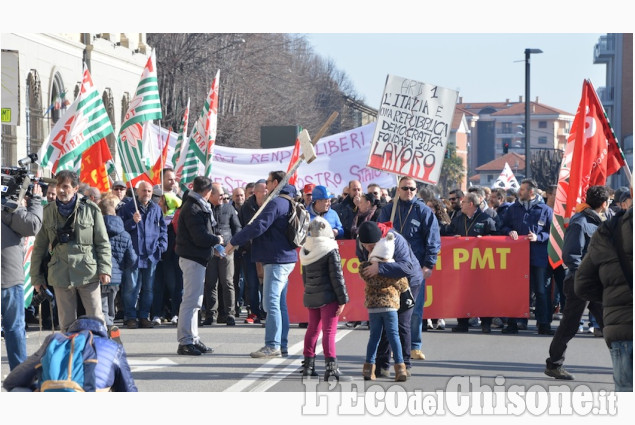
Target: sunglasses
{"points": [[412, 189], [452, 199]]}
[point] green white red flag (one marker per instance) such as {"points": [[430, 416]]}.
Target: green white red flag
{"points": [[591, 155], [197, 157], [84, 123], [144, 106]]}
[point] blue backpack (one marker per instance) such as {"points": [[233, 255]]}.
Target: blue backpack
{"points": [[68, 365]]}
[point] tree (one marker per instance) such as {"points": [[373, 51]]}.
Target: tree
{"points": [[265, 79], [545, 166], [452, 171]]}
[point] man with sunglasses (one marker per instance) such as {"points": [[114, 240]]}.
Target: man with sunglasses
{"points": [[416, 222], [455, 198]]}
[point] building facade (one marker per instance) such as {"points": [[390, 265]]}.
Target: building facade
{"points": [[43, 72]]}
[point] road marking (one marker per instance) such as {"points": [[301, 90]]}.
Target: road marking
{"points": [[259, 380], [140, 365]]}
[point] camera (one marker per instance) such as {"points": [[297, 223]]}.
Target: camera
{"points": [[65, 235], [42, 296], [17, 183]]}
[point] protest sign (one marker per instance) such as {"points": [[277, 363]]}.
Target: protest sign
{"points": [[473, 277], [340, 158], [413, 126]]}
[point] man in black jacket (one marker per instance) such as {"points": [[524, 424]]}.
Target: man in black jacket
{"points": [[195, 240], [219, 277]]}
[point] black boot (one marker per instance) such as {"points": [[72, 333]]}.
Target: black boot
{"points": [[308, 367], [333, 371]]}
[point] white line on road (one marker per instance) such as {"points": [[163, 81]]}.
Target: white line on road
{"points": [[259, 381], [140, 365]]}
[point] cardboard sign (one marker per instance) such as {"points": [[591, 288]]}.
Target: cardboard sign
{"points": [[413, 126]]}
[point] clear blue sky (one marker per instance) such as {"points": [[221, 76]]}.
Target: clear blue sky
{"points": [[481, 67]]}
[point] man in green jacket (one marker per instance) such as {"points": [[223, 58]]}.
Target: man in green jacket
{"points": [[73, 231]]}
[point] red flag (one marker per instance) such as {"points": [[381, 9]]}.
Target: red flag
{"points": [[153, 175], [294, 157], [93, 169], [591, 155]]}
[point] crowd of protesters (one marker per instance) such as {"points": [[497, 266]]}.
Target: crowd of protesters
{"points": [[160, 256]]}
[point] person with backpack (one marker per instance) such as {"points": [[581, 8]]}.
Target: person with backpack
{"points": [[100, 363], [272, 247]]}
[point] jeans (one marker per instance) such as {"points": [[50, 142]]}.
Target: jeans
{"points": [[322, 319], [405, 336], [108, 294], [274, 300], [168, 280], [416, 321], [138, 287], [388, 323], [13, 324], [253, 292], [193, 282], [622, 358], [571, 315]]}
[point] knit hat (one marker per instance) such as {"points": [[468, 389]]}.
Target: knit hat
{"points": [[369, 232], [157, 190], [172, 202]]}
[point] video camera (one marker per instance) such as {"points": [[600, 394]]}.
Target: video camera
{"points": [[17, 183]]}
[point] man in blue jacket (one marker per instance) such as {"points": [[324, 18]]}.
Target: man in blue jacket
{"points": [[321, 206], [416, 222], [405, 265], [529, 216], [270, 246], [144, 221]]}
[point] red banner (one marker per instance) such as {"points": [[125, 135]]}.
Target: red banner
{"points": [[486, 277]]}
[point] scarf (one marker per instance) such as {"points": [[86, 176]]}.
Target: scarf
{"points": [[360, 218], [315, 248], [66, 209]]}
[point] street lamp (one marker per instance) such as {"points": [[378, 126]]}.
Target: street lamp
{"points": [[528, 53]]}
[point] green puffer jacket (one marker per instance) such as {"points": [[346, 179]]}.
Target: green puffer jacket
{"points": [[80, 261]]}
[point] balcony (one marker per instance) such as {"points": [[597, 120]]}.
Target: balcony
{"points": [[606, 95], [604, 50]]}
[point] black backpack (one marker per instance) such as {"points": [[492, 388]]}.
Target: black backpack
{"points": [[299, 219]]}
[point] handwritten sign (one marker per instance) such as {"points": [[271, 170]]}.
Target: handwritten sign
{"points": [[413, 126], [340, 158]]}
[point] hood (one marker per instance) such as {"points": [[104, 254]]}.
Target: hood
{"points": [[114, 225], [90, 323], [172, 201], [289, 190]]}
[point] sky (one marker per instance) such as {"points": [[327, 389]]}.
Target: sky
{"points": [[481, 67]]}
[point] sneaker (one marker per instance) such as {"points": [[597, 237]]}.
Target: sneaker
{"points": [[475, 322], [581, 329], [251, 318], [174, 320], [204, 349], [522, 326], [429, 324], [231, 321], [559, 373], [208, 321], [156, 320], [384, 373], [266, 353], [188, 350], [441, 325], [131, 323], [497, 322], [353, 325], [417, 355], [146, 324]]}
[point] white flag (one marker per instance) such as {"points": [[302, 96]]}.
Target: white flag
{"points": [[506, 180]]}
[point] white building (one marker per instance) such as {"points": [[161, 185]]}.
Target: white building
{"points": [[39, 70]]}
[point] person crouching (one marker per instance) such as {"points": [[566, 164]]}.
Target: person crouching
{"points": [[324, 295]]}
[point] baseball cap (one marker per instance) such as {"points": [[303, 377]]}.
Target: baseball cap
{"points": [[118, 183], [308, 188]]}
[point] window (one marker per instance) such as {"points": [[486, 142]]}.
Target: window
{"points": [[542, 140], [507, 128], [542, 124]]}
